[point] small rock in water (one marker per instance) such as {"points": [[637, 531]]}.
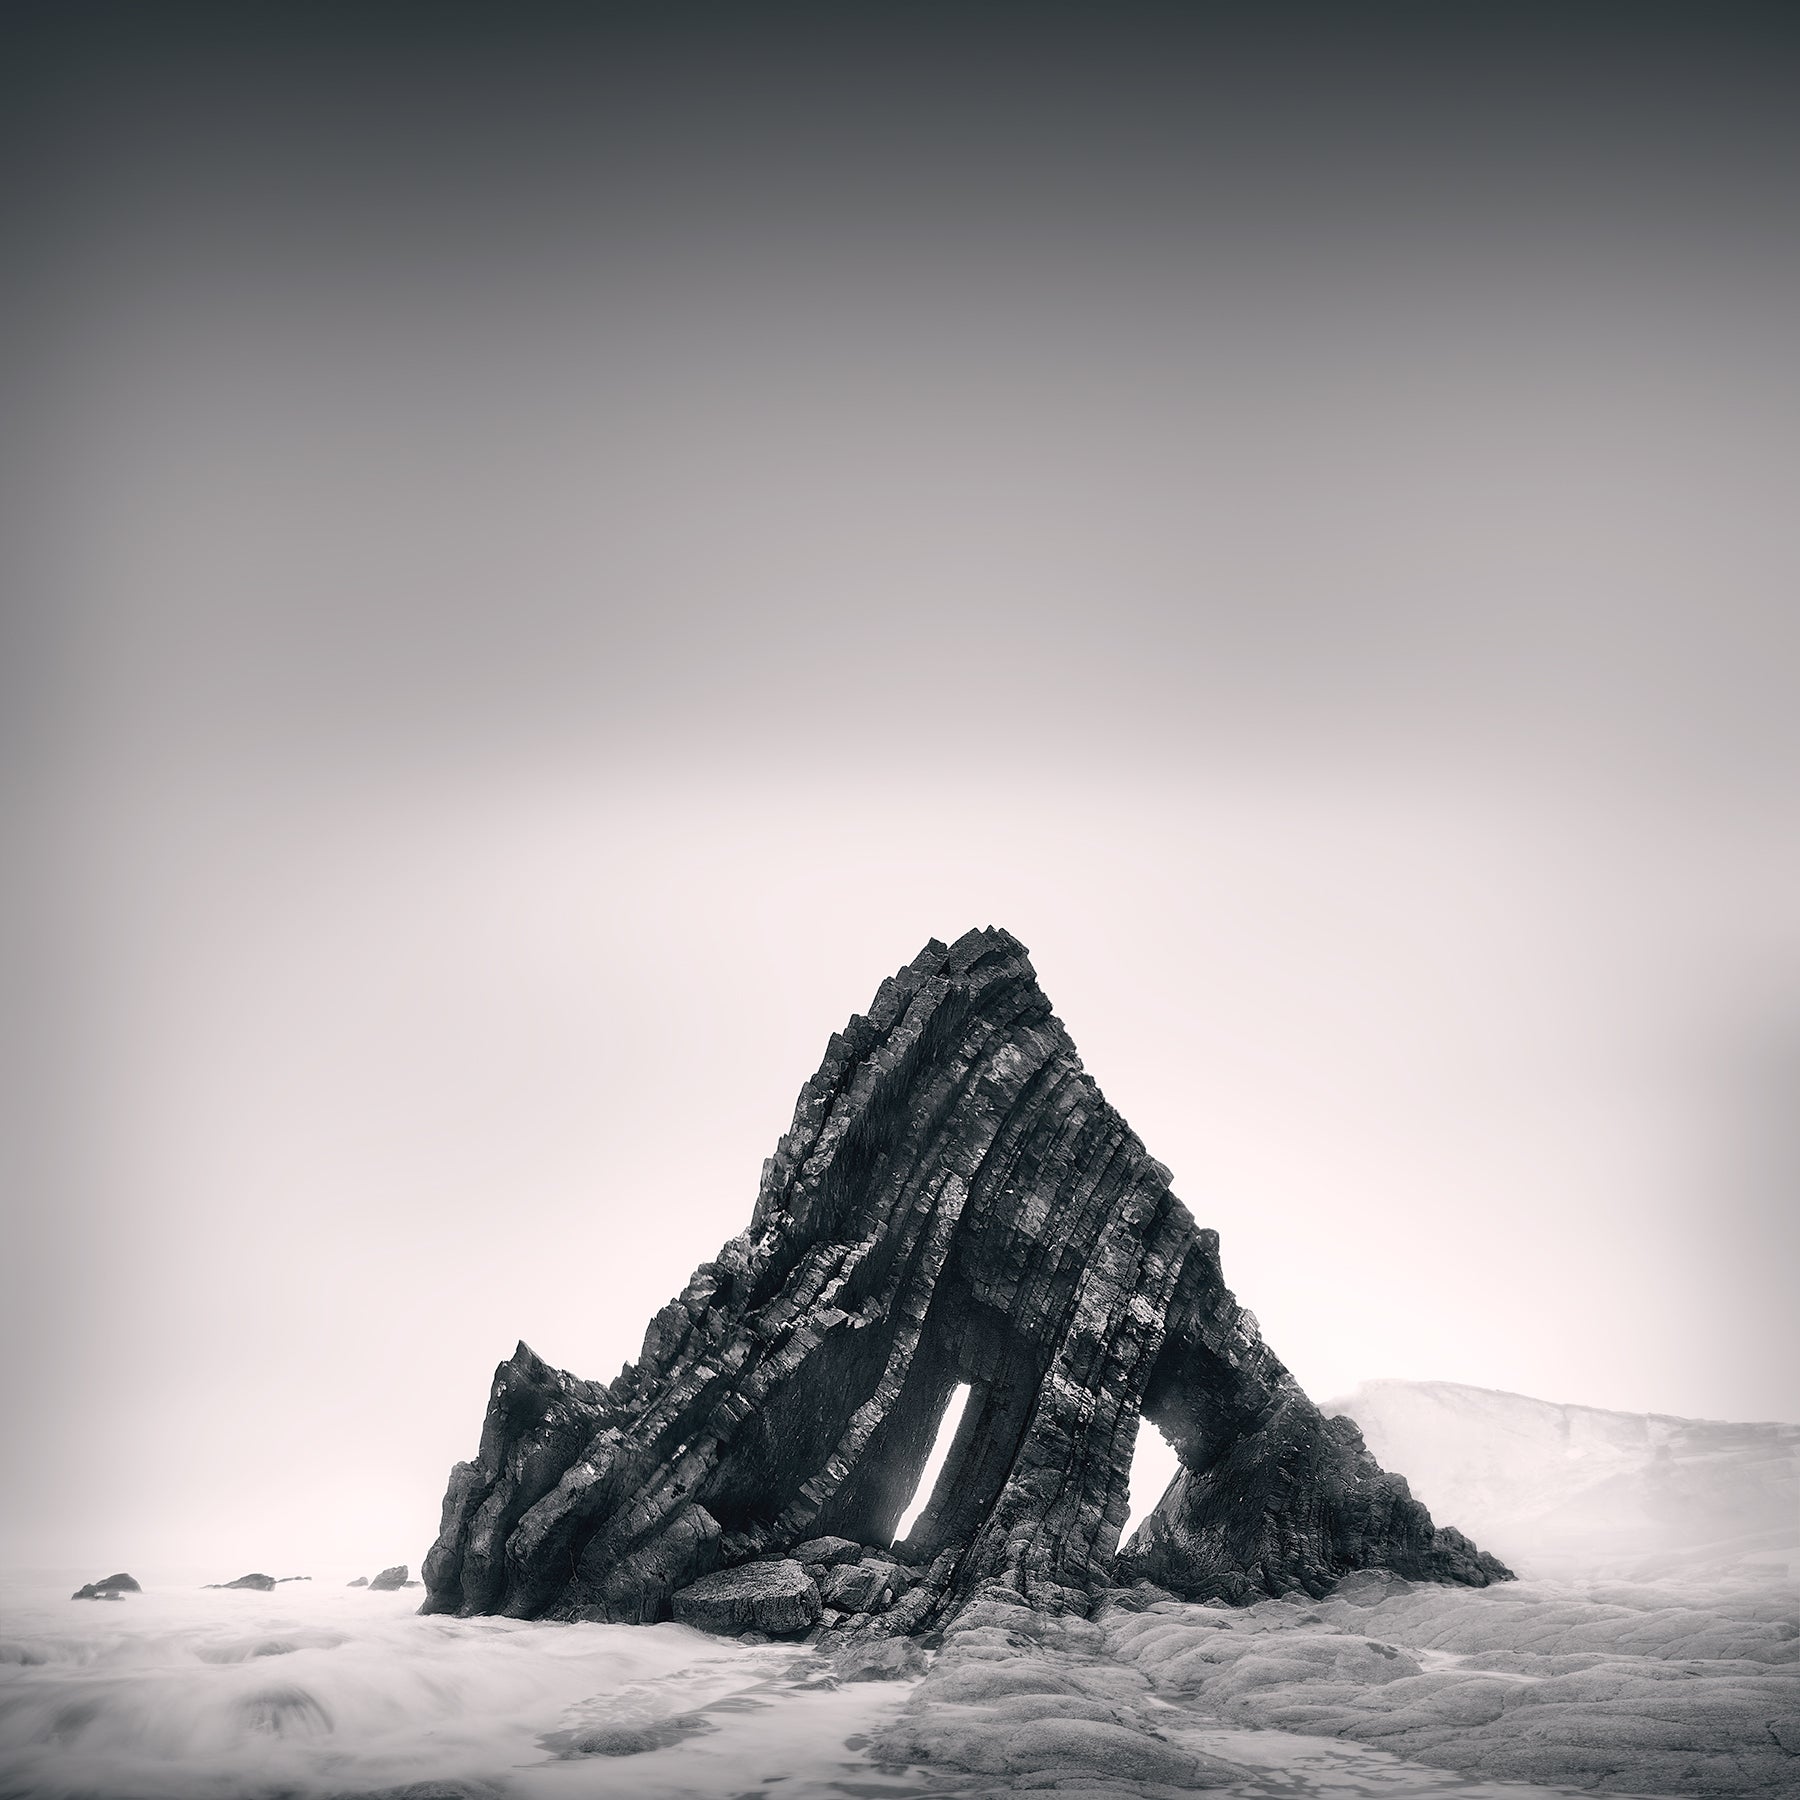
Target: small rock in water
{"points": [[261, 1584], [624, 1739], [360, 1581], [389, 1579], [880, 1659], [111, 1587], [435, 1790], [779, 1598]]}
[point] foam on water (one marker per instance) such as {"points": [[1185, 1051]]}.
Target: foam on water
{"points": [[315, 1689]]}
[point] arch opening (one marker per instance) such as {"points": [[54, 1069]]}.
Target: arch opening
{"points": [[1154, 1464], [932, 1473]]}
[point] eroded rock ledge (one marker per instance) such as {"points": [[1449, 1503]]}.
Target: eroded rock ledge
{"points": [[955, 1202]]}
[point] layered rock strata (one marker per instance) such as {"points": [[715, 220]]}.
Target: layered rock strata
{"points": [[955, 1203]]}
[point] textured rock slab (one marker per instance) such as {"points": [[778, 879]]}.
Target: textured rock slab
{"points": [[955, 1204], [1685, 1693], [261, 1584], [775, 1598], [828, 1552], [1034, 1699], [389, 1579]]}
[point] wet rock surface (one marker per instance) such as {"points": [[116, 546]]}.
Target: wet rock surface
{"points": [[1036, 1699], [1660, 1691], [955, 1203], [777, 1599]]}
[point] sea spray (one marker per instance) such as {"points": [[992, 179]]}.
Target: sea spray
{"points": [[315, 1690]]}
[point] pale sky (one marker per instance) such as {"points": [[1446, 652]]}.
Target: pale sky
{"points": [[505, 656]]}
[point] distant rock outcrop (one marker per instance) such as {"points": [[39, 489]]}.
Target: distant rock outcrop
{"points": [[956, 1203], [1578, 1490], [110, 1587], [389, 1579], [360, 1581], [262, 1584]]}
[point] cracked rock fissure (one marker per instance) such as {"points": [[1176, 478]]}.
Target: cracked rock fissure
{"points": [[955, 1202]]}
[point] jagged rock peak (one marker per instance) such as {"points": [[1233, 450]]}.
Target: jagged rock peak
{"points": [[955, 1202]]}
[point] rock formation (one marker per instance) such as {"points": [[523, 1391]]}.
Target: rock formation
{"points": [[389, 1579], [954, 1203], [258, 1583], [109, 1587]]}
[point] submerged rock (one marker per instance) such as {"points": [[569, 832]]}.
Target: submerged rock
{"points": [[109, 1587], [777, 1598], [955, 1203], [879, 1659], [626, 1738], [360, 1581], [389, 1579], [261, 1584]]}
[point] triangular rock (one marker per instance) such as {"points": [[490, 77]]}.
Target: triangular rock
{"points": [[955, 1202]]}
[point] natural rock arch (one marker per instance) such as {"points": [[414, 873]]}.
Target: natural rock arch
{"points": [[955, 1202]]}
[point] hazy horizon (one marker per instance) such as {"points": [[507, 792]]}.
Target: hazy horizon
{"points": [[543, 560]]}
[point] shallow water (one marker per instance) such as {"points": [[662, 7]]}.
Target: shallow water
{"points": [[318, 1689]]}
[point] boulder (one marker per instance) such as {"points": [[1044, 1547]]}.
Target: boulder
{"points": [[827, 1552], [109, 1587], [858, 1587], [261, 1584], [360, 1581], [778, 1598], [389, 1579]]}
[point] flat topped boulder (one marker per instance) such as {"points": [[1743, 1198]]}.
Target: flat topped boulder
{"points": [[260, 1584], [827, 1552], [778, 1599], [955, 1205]]}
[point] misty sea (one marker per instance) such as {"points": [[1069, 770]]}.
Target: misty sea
{"points": [[181, 1693], [322, 1691]]}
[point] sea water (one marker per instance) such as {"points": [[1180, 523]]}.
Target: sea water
{"points": [[319, 1689]]}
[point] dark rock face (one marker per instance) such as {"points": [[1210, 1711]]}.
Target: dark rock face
{"points": [[954, 1203], [776, 1598], [389, 1579], [110, 1587], [261, 1584]]}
